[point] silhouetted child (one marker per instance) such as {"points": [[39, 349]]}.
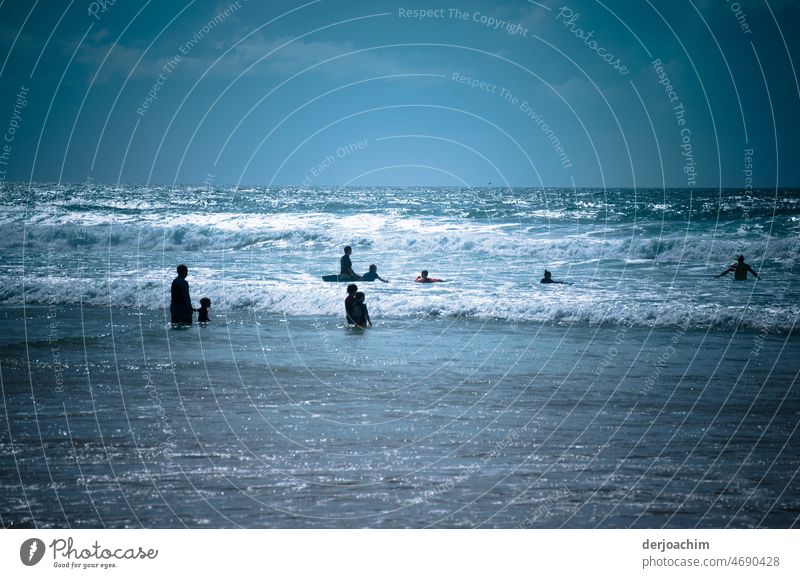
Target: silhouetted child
{"points": [[360, 312], [372, 274], [202, 313]]}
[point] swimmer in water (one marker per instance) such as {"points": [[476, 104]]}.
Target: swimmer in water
{"points": [[548, 278], [202, 312], [423, 278], [346, 272], [349, 303], [740, 270], [372, 274]]}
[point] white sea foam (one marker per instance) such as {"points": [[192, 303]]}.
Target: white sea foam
{"points": [[302, 295], [384, 234], [645, 262]]}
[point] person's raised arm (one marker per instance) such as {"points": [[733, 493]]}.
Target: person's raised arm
{"points": [[726, 271], [749, 268]]}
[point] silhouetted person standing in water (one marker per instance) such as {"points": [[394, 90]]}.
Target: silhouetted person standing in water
{"points": [[180, 306], [360, 312], [740, 270], [349, 303], [372, 274], [423, 278]]}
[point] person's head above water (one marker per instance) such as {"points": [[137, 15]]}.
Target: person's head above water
{"points": [[547, 274], [348, 250], [740, 258], [352, 288], [424, 274], [360, 296], [205, 302], [373, 268], [183, 271]]}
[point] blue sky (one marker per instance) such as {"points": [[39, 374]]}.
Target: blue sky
{"points": [[382, 93]]}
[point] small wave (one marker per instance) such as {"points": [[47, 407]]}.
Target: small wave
{"points": [[309, 297], [389, 234], [182, 237]]}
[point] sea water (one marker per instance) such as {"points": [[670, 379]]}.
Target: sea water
{"points": [[648, 393]]}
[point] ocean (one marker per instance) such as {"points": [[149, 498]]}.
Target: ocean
{"points": [[646, 393]]}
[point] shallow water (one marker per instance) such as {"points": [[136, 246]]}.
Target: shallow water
{"points": [[112, 419]]}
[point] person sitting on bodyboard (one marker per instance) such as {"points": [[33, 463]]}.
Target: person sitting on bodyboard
{"points": [[346, 272]]}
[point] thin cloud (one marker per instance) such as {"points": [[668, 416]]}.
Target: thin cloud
{"points": [[257, 55], [286, 56]]}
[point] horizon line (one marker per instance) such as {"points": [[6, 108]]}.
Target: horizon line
{"points": [[399, 186]]}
